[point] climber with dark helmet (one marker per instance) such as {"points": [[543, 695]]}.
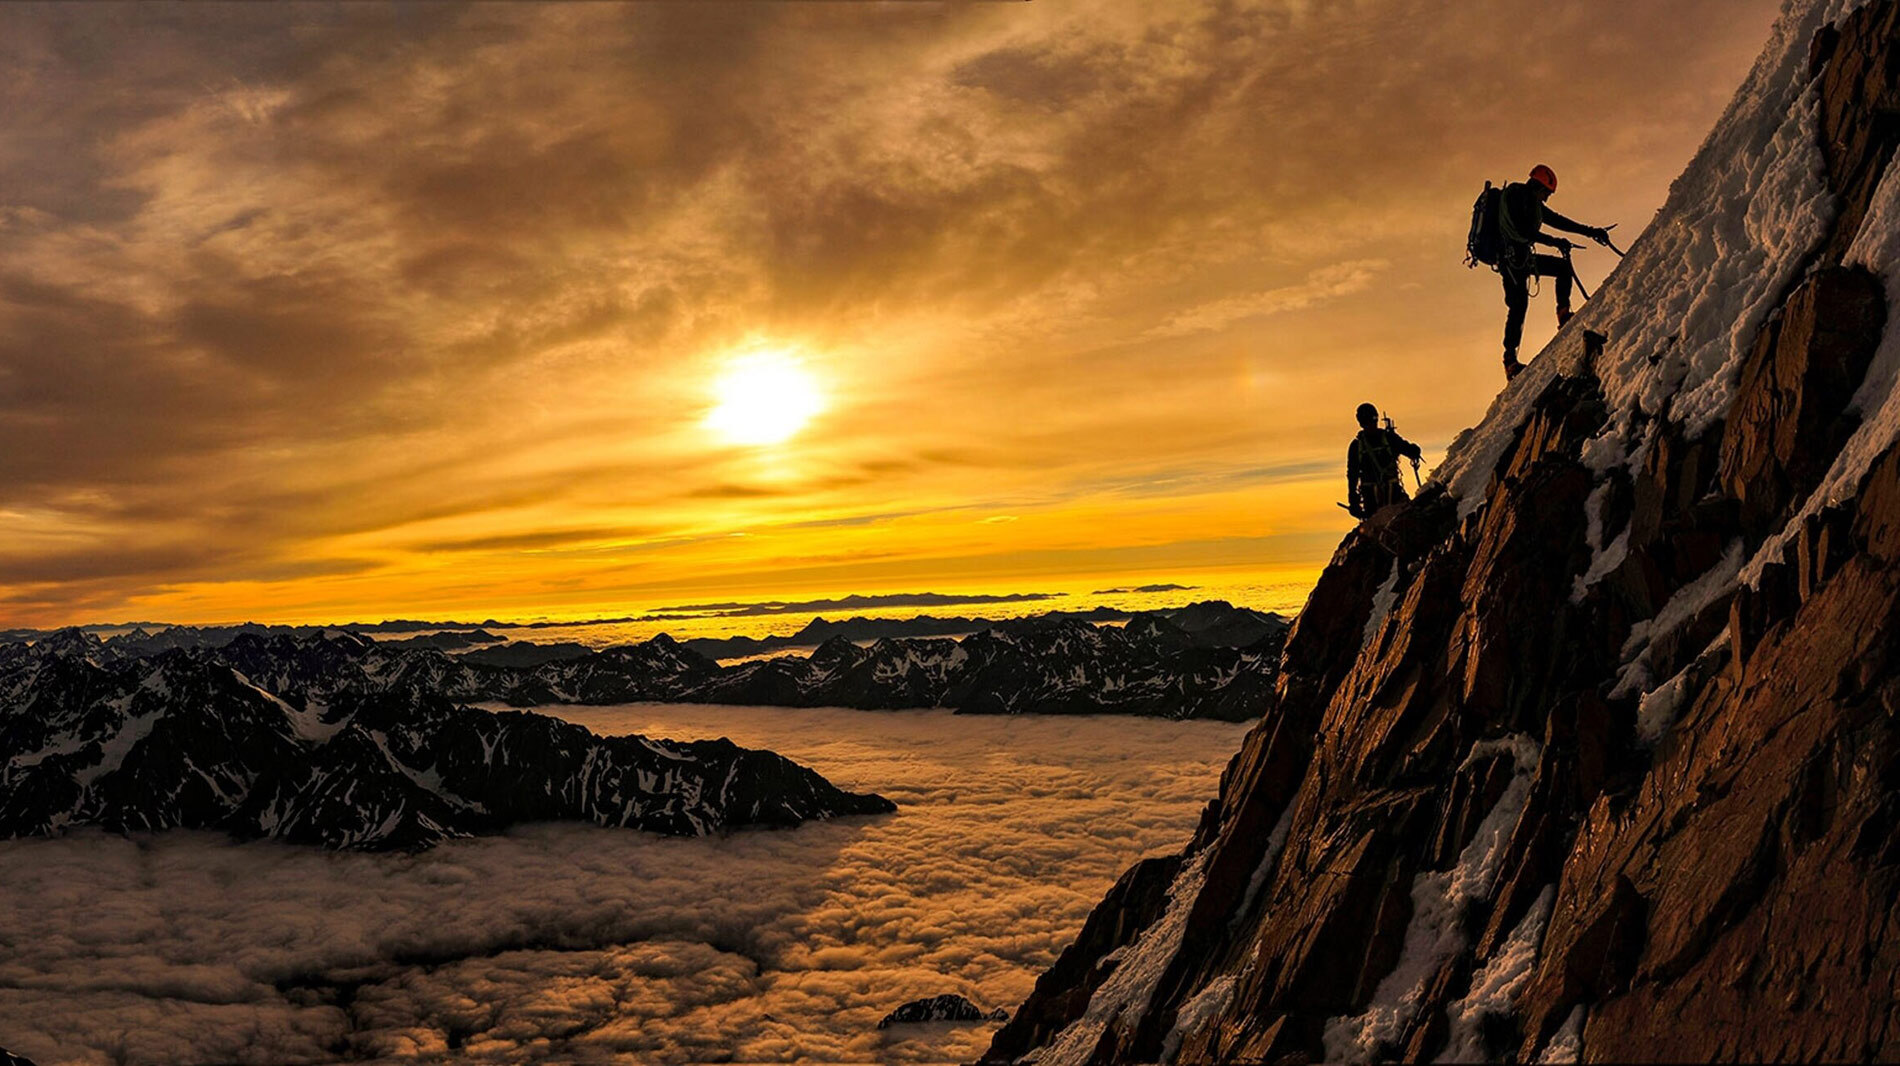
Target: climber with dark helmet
{"points": [[1522, 215], [1372, 465]]}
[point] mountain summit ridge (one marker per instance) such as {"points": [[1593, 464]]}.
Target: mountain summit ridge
{"points": [[1590, 751]]}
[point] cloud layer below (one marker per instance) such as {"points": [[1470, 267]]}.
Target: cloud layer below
{"points": [[566, 944]]}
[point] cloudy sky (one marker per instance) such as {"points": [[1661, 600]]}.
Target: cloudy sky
{"points": [[322, 311]]}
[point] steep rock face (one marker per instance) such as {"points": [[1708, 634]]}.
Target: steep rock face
{"points": [[1591, 751], [180, 742]]}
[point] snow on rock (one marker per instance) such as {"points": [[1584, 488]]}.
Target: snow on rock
{"points": [[1495, 988], [176, 742], [1276, 843], [1877, 401], [1660, 707], [1128, 990], [1208, 1002], [1567, 1045], [1381, 604], [1440, 900], [1681, 310], [1690, 600]]}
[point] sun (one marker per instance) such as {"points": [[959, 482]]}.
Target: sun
{"points": [[763, 398]]}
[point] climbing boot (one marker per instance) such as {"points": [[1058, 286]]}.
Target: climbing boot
{"points": [[1563, 315]]}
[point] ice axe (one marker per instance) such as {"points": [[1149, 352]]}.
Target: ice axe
{"points": [[1572, 267], [1608, 243]]}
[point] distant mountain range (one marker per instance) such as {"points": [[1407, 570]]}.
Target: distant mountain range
{"points": [[1183, 663], [331, 738], [365, 753], [1211, 623]]}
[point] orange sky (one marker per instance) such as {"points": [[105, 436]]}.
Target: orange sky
{"points": [[312, 312]]}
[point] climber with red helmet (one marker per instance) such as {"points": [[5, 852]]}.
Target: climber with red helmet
{"points": [[1522, 214]]}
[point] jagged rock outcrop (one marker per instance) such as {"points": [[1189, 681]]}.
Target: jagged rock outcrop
{"points": [[1591, 751], [945, 1008], [177, 741]]}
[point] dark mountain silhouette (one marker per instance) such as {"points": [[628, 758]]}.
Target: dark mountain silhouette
{"points": [[451, 641], [1151, 666], [1212, 623], [1591, 751], [945, 1008], [189, 741], [526, 653]]}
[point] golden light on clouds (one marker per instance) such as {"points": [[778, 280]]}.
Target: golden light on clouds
{"points": [[317, 312], [763, 397]]}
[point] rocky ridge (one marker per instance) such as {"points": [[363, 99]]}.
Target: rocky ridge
{"points": [[1591, 751], [1151, 666], [180, 741]]}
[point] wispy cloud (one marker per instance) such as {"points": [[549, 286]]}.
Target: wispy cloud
{"points": [[1327, 283]]}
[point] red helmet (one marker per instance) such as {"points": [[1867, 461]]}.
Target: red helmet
{"points": [[1544, 176]]}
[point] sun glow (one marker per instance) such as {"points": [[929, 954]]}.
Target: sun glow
{"points": [[763, 398]]}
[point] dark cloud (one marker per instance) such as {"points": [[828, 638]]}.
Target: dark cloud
{"points": [[571, 944], [895, 599], [540, 539]]}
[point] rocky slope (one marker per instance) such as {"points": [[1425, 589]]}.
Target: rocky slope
{"points": [[179, 741], [1591, 751], [1151, 666]]}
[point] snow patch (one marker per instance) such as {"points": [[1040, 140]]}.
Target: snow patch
{"points": [[1660, 707], [1566, 1044], [1195, 1013], [1720, 580], [112, 753], [1603, 561], [1440, 902], [1381, 605], [1495, 988]]}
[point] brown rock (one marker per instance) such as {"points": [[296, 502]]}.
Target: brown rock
{"points": [[1860, 112], [1795, 386]]}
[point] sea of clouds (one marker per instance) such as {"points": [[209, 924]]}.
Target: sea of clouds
{"points": [[579, 944]]}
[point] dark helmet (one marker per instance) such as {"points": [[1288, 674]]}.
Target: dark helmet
{"points": [[1367, 415], [1544, 176]]}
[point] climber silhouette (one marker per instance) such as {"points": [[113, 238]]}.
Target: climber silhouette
{"points": [[1372, 465], [1521, 216]]}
